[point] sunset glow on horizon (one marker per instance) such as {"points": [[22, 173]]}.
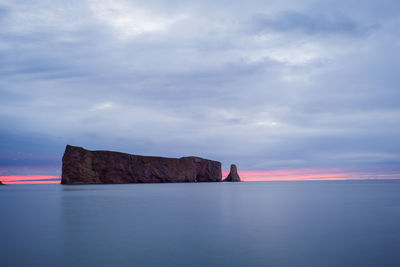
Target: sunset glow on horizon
{"points": [[30, 179], [310, 174], [247, 176]]}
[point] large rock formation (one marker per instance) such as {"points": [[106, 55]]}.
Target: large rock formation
{"points": [[233, 175], [81, 166], [1, 183]]}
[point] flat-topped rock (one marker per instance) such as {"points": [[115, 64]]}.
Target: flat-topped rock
{"points": [[81, 166], [233, 175]]}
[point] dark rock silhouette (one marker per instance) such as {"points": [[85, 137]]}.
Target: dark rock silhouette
{"points": [[81, 166], [1, 183], [233, 175]]}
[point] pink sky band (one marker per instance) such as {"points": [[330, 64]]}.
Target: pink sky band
{"points": [[274, 175]]}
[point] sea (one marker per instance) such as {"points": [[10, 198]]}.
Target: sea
{"points": [[288, 223]]}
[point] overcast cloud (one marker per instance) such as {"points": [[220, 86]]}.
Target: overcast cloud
{"points": [[263, 84]]}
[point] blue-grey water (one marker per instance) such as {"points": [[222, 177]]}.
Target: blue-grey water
{"points": [[309, 223]]}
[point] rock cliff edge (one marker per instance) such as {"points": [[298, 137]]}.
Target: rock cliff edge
{"points": [[81, 166]]}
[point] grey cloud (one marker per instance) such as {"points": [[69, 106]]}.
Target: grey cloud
{"points": [[3, 12], [205, 86], [311, 23]]}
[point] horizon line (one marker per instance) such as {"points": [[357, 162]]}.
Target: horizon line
{"points": [[304, 174]]}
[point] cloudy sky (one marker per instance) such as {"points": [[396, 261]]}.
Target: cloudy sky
{"points": [[268, 85]]}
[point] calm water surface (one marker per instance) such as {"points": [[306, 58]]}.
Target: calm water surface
{"points": [[318, 223]]}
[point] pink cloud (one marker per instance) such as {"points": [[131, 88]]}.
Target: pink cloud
{"points": [[32, 182], [311, 174], [30, 179], [272, 175]]}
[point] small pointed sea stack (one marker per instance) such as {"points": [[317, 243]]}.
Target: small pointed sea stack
{"points": [[233, 175]]}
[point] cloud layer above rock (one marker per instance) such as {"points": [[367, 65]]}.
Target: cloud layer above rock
{"points": [[263, 84]]}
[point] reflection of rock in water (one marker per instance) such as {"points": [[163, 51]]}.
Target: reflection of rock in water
{"points": [[233, 175], [81, 166]]}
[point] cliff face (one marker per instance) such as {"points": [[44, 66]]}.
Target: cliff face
{"points": [[81, 166]]}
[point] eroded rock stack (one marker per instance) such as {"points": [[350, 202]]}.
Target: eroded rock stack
{"points": [[233, 175], [81, 166]]}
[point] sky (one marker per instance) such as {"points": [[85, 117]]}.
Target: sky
{"points": [[289, 88]]}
